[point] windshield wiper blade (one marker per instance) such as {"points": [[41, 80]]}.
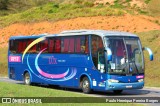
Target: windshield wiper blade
{"points": [[133, 61]]}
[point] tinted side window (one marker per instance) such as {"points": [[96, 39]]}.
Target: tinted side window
{"points": [[44, 45], [51, 45], [81, 44], [57, 45], [74, 44], [65, 45], [96, 44], [33, 49], [12, 46], [17, 46], [68, 45], [21, 45]]}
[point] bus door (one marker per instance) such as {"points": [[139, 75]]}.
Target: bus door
{"points": [[99, 75]]}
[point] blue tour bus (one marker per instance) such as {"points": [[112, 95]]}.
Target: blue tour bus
{"points": [[87, 59]]}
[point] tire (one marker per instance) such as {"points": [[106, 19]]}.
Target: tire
{"points": [[27, 80], [85, 85], [117, 91]]}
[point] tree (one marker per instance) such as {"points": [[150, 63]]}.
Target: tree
{"points": [[4, 4]]}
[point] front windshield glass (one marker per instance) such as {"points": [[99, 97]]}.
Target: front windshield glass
{"points": [[127, 55]]}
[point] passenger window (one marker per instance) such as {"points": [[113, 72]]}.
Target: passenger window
{"points": [[17, 46], [74, 44], [57, 45], [12, 46], [33, 49], [97, 45], [81, 44], [44, 45], [51, 45], [21, 46], [68, 44]]}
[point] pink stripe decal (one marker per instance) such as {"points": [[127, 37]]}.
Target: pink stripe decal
{"points": [[14, 59], [140, 76], [52, 75]]}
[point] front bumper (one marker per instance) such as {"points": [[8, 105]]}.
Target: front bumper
{"points": [[124, 86]]}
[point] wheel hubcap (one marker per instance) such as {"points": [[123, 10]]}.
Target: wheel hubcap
{"points": [[27, 79], [85, 84]]}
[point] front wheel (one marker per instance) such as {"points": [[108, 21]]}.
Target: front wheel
{"points": [[27, 80], [85, 85], [117, 91]]}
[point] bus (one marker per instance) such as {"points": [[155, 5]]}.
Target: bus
{"points": [[90, 60]]}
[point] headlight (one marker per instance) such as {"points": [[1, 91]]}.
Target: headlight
{"points": [[113, 80], [140, 80]]}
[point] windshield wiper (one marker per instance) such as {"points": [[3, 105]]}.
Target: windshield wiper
{"points": [[133, 61]]}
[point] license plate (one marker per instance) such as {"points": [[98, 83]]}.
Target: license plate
{"points": [[129, 86]]}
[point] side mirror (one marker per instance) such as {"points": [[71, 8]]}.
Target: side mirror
{"points": [[150, 52], [109, 54]]}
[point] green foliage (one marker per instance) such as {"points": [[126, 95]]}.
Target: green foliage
{"points": [[78, 1], [157, 22], [88, 4], [16, 6], [4, 4], [3, 61], [116, 1], [117, 5], [147, 1], [142, 11], [55, 5], [100, 6], [128, 0], [54, 12], [154, 8]]}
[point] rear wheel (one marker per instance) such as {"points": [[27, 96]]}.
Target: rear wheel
{"points": [[117, 91], [27, 80], [85, 84]]}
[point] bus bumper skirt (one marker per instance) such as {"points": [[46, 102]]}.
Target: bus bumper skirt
{"points": [[124, 86]]}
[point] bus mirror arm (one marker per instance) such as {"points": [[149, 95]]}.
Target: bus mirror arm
{"points": [[109, 54], [149, 51]]}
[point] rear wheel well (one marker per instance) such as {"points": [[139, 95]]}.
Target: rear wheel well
{"points": [[25, 73], [81, 78]]}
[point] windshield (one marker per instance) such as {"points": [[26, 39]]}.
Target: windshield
{"points": [[127, 57]]}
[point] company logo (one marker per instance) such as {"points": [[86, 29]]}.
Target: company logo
{"points": [[52, 60], [14, 59], [6, 100]]}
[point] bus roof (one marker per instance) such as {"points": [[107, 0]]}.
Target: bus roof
{"points": [[101, 33]]}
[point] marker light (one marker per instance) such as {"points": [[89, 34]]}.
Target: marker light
{"points": [[140, 80]]}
